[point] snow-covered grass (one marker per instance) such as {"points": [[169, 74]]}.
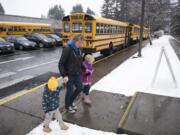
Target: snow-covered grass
{"points": [[73, 130], [136, 74]]}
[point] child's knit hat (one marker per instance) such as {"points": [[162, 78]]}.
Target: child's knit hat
{"points": [[52, 83]]}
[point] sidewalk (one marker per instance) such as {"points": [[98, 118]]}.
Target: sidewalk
{"points": [[136, 74]]}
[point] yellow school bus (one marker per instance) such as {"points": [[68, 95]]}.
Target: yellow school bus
{"points": [[134, 32], [100, 34], [146, 33], [19, 28]]}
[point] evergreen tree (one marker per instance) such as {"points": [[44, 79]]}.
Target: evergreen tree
{"points": [[108, 9], [2, 11], [89, 11], [77, 9], [56, 12]]}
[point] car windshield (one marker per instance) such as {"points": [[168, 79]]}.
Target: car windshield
{"points": [[2, 40], [40, 36], [54, 36], [21, 39]]}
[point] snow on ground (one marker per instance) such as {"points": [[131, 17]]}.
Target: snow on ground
{"points": [[73, 130], [136, 74]]}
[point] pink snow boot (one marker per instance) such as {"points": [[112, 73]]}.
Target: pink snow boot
{"points": [[87, 100]]}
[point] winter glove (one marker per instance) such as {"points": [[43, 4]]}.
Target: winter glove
{"points": [[65, 79]]}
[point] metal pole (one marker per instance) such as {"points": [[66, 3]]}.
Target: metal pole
{"points": [[141, 29]]}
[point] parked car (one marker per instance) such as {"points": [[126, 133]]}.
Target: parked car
{"points": [[6, 46], [41, 40], [21, 42], [56, 38]]}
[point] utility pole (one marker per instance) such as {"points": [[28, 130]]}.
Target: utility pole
{"points": [[141, 29]]}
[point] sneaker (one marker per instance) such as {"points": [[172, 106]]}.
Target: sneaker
{"points": [[70, 110], [47, 129], [74, 106]]}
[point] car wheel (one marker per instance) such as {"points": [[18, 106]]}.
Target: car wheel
{"points": [[12, 50], [41, 45], [20, 47]]}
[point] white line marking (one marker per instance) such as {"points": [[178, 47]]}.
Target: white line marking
{"points": [[24, 58], [7, 74], [9, 83], [26, 68]]}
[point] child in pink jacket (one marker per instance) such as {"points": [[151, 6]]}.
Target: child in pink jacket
{"points": [[86, 76]]}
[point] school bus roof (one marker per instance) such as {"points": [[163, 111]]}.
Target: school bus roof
{"points": [[102, 19], [110, 21], [24, 24], [134, 25]]}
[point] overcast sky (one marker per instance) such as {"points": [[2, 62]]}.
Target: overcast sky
{"points": [[35, 8]]}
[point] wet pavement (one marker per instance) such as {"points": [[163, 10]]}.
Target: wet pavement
{"points": [[25, 65], [14, 122], [152, 115], [104, 114], [26, 84]]}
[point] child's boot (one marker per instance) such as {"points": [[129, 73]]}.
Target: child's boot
{"points": [[47, 129], [82, 95], [87, 100], [64, 126]]}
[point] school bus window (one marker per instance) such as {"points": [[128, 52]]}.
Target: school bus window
{"points": [[97, 28], [77, 27], [120, 30], [2, 29], [101, 28], [88, 27], [114, 29], [111, 29], [10, 29], [14, 28], [66, 27], [106, 28]]}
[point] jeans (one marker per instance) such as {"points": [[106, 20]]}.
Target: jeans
{"points": [[71, 94]]}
